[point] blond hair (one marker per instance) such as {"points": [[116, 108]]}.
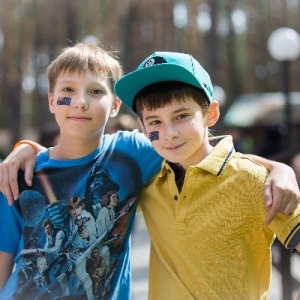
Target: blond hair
{"points": [[82, 57]]}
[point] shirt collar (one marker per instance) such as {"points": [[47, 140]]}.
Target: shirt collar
{"points": [[216, 160]]}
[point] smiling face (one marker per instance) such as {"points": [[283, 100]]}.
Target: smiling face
{"points": [[82, 102], [176, 124], [181, 132]]}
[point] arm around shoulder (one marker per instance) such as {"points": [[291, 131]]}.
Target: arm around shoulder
{"points": [[22, 157], [281, 189]]}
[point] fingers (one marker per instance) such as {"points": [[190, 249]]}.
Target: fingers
{"points": [[281, 192], [23, 157], [13, 172], [29, 166], [9, 169], [268, 194], [270, 216], [4, 183], [290, 203], [273, 200], [12, 182], [285, 203]]}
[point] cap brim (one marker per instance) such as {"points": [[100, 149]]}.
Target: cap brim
{"points": [[131, 84]]}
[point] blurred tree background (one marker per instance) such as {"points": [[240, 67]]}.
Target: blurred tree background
{"points": [[229, 38]]}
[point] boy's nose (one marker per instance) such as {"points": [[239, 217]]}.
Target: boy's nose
{"points": [[80, 103], [171, 133]]}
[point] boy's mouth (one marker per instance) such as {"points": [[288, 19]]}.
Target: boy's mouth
{"points": [[79, 118], [174, 147]]}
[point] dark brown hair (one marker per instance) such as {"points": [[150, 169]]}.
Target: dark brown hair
{"points": [[160, 94]]}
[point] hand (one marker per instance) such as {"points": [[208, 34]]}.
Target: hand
{"points": [[58, 214], [281, 191], [84, 232], [24, 158]]}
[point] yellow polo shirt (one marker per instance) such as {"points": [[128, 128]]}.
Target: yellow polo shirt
{"points": [[210, 241]]}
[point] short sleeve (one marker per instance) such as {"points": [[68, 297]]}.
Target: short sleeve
{"points": [[10, 226]]}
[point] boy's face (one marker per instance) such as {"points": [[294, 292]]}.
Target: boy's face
{"points": [[82, 103], [179, 131]]}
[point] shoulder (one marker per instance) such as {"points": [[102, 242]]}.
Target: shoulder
{"points": [[247, 170], [120, 137], [132, 143], [243, 162], [42, 157], [224, 161], [135, 147]]}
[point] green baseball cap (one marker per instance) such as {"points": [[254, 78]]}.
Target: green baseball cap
{"points": [[163, 66]]}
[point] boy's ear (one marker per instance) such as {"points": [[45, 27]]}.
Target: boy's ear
{"points": [[115, 107], [213, 113], [51, 102], [142, 127]]}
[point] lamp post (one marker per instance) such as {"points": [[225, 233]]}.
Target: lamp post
{"points": [[284, 46]]}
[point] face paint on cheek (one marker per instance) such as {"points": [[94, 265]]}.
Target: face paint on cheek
{"points": [[64, 101], [153, 136]]}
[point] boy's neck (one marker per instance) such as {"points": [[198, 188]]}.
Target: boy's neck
{"points": [[179, 172], [74, 149], [201, 154]]}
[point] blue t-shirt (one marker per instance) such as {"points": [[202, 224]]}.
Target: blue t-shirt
{"points": [[70, 231]]}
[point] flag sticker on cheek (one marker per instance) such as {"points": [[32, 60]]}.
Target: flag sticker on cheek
{"points": [[153, 136], [64, 101]]}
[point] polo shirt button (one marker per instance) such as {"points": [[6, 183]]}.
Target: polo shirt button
{"points": [[169, 171], [175, 197]]}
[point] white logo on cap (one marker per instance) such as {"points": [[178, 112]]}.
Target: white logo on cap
{"points": [[150, 62]]}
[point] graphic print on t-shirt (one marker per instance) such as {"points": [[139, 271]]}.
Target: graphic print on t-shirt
{"points": [[71, 246]]}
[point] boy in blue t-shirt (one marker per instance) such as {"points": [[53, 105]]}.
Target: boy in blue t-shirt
{"points": [[69, 233]]}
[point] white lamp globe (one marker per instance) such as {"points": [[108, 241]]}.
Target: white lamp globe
{"points": [[284, 44], [219, 95]]}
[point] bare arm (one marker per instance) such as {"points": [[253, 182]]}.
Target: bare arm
{"points": [[24, 158], [281, 188], [6, 263]]}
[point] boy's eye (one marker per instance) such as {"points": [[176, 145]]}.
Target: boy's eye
{"points": [[182, 116], [97, 92], [156, 122], [67, 89]]}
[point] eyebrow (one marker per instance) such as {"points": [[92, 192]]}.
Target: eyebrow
{"points": [[67, 81], [179, 110]]}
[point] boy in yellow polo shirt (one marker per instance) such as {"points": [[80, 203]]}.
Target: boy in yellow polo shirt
{"points": [[208, 235]]}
